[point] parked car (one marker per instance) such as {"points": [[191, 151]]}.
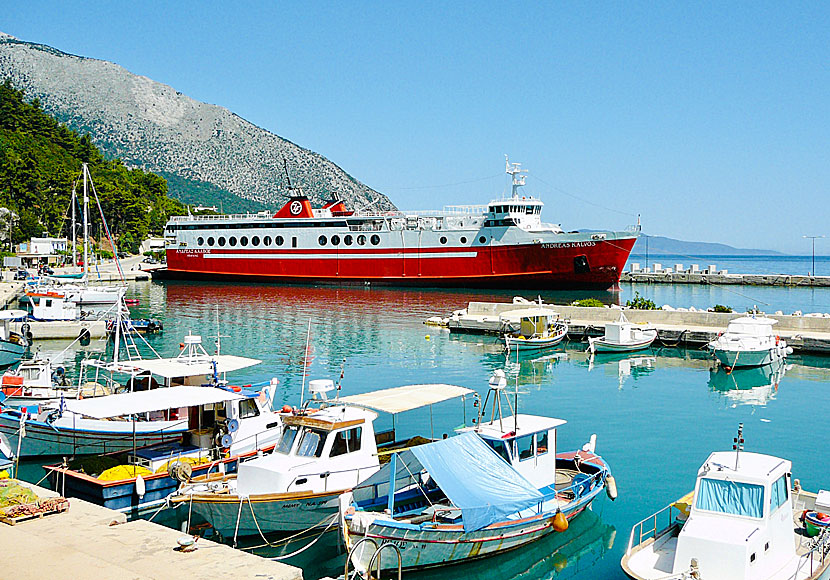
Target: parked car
{"points": [[21, 275]]}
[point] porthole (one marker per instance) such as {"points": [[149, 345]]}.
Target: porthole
{"points": [[243, 241], [335, 240], [266, 241], [211, 241], [232, 240], [361, 240], [222, 240], [375, 239], [443, 239], [322, 240], [279, 241], [482, 240], [347, 240], [255, 241], [201, 241], [463, 240]]}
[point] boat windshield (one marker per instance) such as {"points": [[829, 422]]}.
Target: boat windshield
{"points": [[730, 497], [311, 443], [287, 440]]}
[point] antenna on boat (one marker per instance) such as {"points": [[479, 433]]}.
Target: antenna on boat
{"points": [[340, 380], [516, 172], [219, 336], [305, 362], [738, 444]]}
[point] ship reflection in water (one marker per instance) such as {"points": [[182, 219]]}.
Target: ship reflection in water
{"points": [[750, 386]]}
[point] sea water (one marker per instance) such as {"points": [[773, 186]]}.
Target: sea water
{"points": [[657, 414]]}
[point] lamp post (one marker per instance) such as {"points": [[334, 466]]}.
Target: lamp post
{"points": [[813, 272]]}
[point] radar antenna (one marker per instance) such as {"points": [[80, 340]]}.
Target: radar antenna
{"points": [[517, 173], [738, 444]]}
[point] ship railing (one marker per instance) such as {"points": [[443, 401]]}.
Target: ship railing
{"points": [[650, 527], [263, 215], [817, 554]]}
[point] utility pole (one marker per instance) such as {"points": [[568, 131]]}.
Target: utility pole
{"points": [[814, 238]]}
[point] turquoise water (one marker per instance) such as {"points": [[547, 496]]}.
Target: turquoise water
{"points": [[657, 415]]}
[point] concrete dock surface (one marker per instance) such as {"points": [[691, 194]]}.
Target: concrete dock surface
{"points": [[89, 542]]}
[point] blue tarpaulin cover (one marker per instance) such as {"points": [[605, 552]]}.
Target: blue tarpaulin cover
{"points": [[468, 471]]}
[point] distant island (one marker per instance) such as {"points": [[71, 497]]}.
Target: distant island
{"points": [[656, 245]]}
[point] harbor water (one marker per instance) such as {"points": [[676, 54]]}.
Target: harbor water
{"points": [[657, 414]]}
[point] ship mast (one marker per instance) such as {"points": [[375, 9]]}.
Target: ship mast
{"points": [[517, 173]]}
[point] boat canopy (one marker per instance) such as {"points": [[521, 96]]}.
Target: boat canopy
{"points": [[147, 401], [12, 314], [475, 479], [172, 368], [520, 313], [406, 398]]}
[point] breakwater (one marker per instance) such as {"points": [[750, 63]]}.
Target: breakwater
{"points": [[674, 328], [672, 277]]}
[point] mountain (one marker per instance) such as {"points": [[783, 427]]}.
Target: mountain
{"points": [[664, 245], [208, 154]]}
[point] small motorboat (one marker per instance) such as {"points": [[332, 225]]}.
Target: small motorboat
{"points": [[494, 487], [538, 328], [35, 383], [622, 336], [12, 344], [749, 341], [741, 522]]}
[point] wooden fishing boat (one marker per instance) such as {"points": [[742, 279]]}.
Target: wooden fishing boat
{"points": [[741, 522], [539, 328], [494, 487], [622, 336]]}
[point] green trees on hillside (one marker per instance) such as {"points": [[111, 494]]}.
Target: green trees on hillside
{"points": [[40, 159]]}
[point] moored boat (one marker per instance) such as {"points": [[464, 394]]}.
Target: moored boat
{"points": [[741, 522], [321, 453], [494, 487], [12, 344], [501, 245], [622, 336], [538, 328], [749, 341]]}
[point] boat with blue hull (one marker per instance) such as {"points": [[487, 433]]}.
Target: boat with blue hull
{"points": [[495, 487], [224, 427]]}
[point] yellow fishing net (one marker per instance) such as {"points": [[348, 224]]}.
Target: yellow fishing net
{"points": [[124, 472], [12, 493]]}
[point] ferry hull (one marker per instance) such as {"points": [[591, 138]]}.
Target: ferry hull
{"points": [[595, 265]]}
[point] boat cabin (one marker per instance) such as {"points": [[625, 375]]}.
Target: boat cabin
{"points": [[741, 518], [751, 326], [526, 442], [336, 444], [53, 306], [529, 322]]}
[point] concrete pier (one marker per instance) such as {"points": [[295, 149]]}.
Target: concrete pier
{"points": [[803, 333], [726, 279], [92, 542]]}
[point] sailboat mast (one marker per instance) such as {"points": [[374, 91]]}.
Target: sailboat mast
{"points": [[74, 233], [86, 222]]}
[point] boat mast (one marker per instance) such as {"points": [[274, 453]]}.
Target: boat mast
{"points": [[74, 233], [86, 225], [738, 444], [516, 172]]}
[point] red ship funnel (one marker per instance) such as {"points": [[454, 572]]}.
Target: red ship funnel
{"points": [[297, 207], [337, 208]]}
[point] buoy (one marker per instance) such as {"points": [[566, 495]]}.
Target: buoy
{"points": [[140, 486], [560, 522], [427, 337], [611, 487], [286, 408]]}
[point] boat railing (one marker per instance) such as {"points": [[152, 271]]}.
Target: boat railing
{"points": [[650, 527], [263, 215], [820, 548]]}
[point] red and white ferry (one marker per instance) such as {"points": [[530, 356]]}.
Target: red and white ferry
{"points": [[501, 245]]}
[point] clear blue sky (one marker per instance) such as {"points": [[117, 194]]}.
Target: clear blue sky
{"points": [[712, 120]]}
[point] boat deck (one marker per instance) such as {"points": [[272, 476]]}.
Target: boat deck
{"points": [[654, 558]]}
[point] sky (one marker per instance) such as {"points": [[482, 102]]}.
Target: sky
{"points": [[709, 120]]}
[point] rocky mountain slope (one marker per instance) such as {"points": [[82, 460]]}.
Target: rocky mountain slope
{"points": [[208, 154]]}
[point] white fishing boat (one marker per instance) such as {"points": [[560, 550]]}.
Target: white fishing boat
{"points": [[622, 336], [495, 487], [12, 344], [35, 383], [749, 341], [743, 521], [224, 426], [322, 453], [538, 328]]}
